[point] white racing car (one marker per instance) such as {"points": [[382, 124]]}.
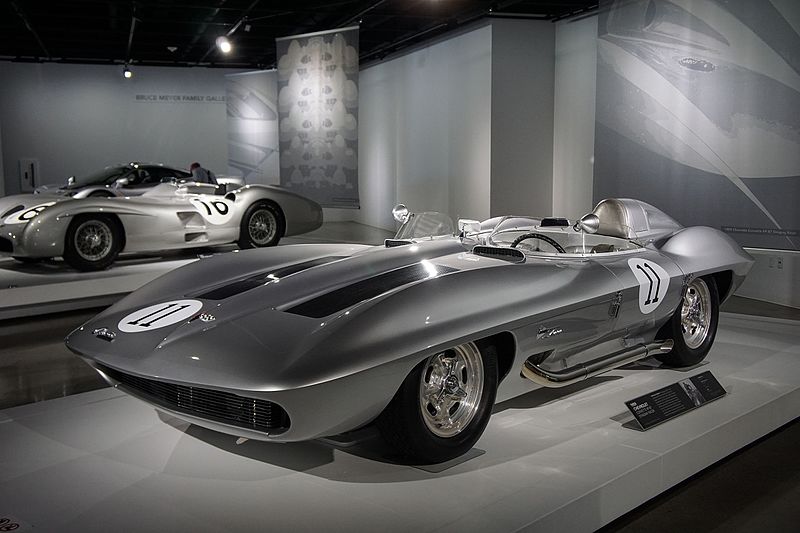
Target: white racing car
{"points": [[89, 233]]}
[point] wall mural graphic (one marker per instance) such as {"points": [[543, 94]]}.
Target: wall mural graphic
{"points": [[698, 113], [318, 113], [253, 126]]}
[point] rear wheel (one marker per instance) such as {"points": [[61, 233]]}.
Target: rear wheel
{"points": [[262, 225], [443, 406], [93, 242], [694, 324]]}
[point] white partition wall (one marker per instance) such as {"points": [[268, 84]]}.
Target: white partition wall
{"points": [[522, 117], [573, 128], [424, 130], [75, 119]]}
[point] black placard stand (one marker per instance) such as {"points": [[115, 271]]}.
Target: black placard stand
{"points": [[664, 404]]}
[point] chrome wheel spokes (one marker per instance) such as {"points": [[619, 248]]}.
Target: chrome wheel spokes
{"points": [[262, 227], [451, 389], [93, 240], [696, 313]]}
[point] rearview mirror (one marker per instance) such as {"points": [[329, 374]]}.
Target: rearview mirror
{"points": [[588, 224], [400, 213]]}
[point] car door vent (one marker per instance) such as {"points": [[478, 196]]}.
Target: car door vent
{"points": [[350, 295], [262, 278], [498, 252], [392, 243]]}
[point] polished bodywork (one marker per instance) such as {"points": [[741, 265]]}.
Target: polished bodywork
{"points": [[130, 179], [330, 332], [168, 216]]}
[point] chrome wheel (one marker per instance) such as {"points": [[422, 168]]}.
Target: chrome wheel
{"points": [[450, 389], [696, 313], [262, 227], [93, 240]]}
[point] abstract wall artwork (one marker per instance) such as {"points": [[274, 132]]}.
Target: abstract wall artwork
{"points": [[318, 115], [698, 113]]}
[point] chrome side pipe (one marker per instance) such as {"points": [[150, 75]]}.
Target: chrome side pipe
{"points": [[582, 371]]}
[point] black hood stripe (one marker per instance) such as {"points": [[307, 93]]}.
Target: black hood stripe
{"points": [[348, 296], [257, 280]]}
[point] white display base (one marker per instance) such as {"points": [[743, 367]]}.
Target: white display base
{"points": [[555, 460], [51, 286]]}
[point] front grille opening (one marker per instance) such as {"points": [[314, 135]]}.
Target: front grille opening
{"points": [[15, 209], [255, 414], [6, 246]]}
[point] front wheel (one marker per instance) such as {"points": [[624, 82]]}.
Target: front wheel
{"points": [[694, 324], [262, 225], [93, 242], [443, 406]]}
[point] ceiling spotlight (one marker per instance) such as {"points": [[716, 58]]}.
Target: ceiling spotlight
{"points": [[126, 72], [224, 44]]}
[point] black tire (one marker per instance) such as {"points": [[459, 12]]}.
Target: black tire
{"points": [[92, 242], [407, 428], [694, 324], [262, 225]]}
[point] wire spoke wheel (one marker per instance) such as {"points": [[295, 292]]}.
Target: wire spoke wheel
{"points": [[262, 227], [93, 240], [696, 313], [450, 389]]}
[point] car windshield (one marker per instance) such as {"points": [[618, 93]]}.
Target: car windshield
{"points": [[107, 176], [426, 225], [511, 227]]}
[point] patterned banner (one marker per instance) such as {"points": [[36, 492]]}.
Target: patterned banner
{"points": [[253, 126], [318, 115]]}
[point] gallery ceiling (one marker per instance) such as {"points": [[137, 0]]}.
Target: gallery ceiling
{"points": [[183, 32]]}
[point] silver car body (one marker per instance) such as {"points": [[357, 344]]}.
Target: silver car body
{"points": [[168, 216], [130, 179], [326, 334]]}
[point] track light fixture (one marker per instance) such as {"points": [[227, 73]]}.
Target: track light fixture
{"points": [[126, 72], [224, 44]]}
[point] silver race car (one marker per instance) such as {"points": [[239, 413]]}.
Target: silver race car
{"points": [[131, 179], [421, 335], [90, 232]]}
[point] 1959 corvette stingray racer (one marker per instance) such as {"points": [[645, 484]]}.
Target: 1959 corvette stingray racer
{"points": [[90, 232], [421, 335]]}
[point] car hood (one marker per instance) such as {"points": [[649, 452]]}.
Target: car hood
{"points": [[233, 318]]}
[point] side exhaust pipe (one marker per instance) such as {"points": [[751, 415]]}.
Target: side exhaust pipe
{"points": [[582, 371]]}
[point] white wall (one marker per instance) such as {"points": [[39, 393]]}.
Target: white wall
{"points": [[573, 131], [522, 117], [78, 118], [424, 131]]}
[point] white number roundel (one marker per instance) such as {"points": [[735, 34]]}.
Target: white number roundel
{"points": [[214, 209], [159, 315], [653, 283]]}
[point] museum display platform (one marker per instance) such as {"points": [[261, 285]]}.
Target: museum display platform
{"points": [[552, 460], [51, 286]]}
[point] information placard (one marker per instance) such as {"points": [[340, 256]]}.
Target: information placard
{"points": [[659, 406]]}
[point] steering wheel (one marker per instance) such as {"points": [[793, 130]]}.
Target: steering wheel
{"points": [[539, 236]]}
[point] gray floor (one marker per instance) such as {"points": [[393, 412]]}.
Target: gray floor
{"points": [[759, 487]]}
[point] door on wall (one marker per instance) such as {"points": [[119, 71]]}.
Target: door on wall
{"points": [[28, 174]]}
